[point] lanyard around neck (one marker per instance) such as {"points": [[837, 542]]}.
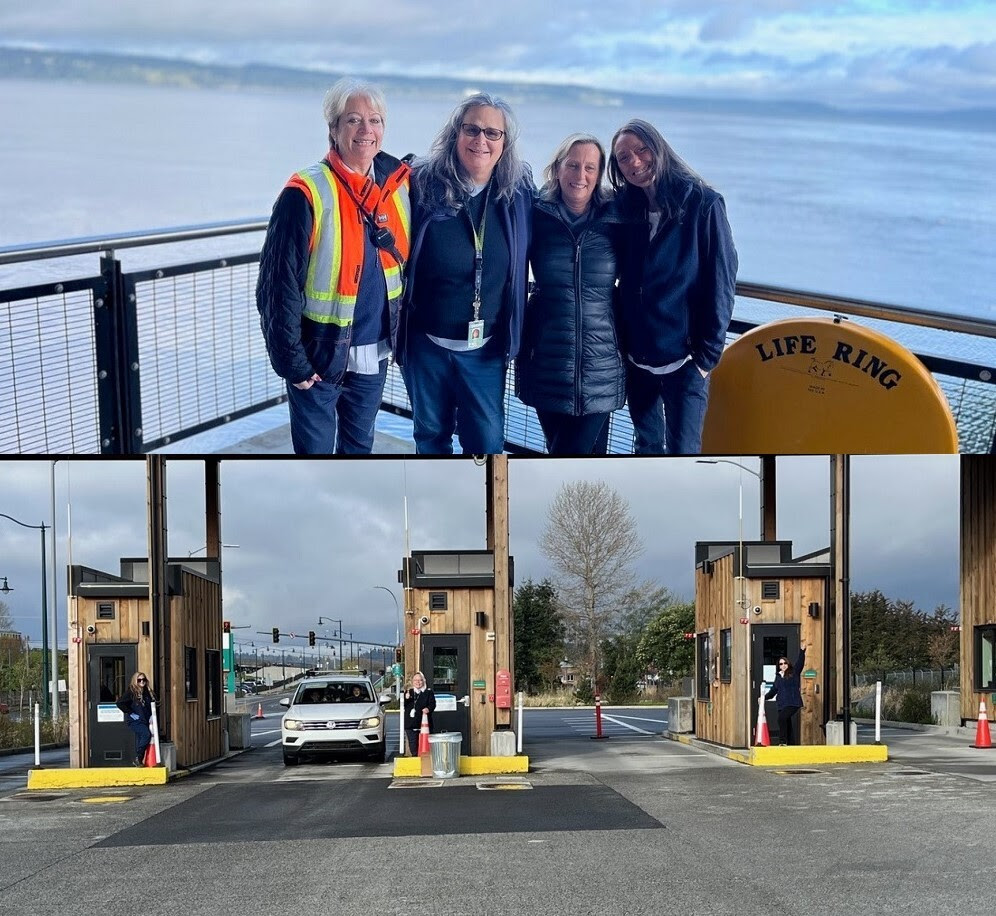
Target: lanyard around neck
{"points": [[479, 250]]}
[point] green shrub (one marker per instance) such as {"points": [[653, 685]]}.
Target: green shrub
{"points": [[22, 733]]}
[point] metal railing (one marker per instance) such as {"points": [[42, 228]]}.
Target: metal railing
{"points": [[128, 362]]}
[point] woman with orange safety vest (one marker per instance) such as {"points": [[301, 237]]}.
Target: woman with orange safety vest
{"points": [[330, 277]]}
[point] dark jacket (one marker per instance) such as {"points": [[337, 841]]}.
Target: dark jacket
{"points": [[570, 360], [516, 221], [677, 288], [786, 690], [131, 706], [424, 700], [297, 346]]}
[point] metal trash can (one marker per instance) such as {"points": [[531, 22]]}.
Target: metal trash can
{"points": [[444, 748]]}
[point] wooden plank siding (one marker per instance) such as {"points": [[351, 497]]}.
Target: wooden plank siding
{"points": [[727, 716], [978, 567]]}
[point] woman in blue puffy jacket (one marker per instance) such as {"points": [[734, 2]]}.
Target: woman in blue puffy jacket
{"points": [[570, 368]]}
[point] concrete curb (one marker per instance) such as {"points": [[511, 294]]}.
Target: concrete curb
{"points": [[808, 755], [469, 766]]}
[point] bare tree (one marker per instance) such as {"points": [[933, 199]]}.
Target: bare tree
{"points": [[592, 541], [6, 621]]}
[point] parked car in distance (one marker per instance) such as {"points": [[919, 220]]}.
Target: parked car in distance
{"points": [[246, 687], [331, 715]]}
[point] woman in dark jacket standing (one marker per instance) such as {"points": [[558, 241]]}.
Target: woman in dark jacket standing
{"points": [[787, 692], [136, 704], [418, 697], [570, 368], [676, 294], [465, 283]]}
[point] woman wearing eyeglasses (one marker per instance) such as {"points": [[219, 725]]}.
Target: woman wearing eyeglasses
{"points": [[136, 704], [465, 283], [330, 276], [787, 692]]}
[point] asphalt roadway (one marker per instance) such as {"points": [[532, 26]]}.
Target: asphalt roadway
{"points": [[634, 824]]}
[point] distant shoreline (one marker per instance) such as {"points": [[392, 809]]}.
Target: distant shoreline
{"points": [[17, 62]]}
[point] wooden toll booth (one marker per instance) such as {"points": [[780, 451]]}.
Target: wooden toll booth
{"points": [[115, 632], [754, 602], [458, 627]]}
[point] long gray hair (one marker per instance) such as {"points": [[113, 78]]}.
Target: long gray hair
{"points": [[668, 164], [439, 177], [551, 183], [336, 99]]}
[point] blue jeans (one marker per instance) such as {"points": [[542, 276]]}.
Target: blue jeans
{"points": [[340, 418], [684, 396], [456, 391], [143, 738]]}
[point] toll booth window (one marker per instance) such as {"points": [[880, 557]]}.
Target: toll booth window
{"points": [[444, 668], [190, 672], [113, 678], [985, 658], [726, 656], [703, 681], [212, 680]]}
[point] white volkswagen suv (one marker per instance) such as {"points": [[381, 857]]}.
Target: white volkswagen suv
{"points": [[333, 714]]}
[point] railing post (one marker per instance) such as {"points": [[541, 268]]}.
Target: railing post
{"points": [[118, 382]]}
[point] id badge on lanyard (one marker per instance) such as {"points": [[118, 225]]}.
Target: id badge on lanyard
{"points": [[475, 327]]}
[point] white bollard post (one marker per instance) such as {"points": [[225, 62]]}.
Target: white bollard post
{"points": [[518, 728], [878, 712], [37, 736]]}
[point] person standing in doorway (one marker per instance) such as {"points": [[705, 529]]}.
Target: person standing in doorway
{"points": [[418, 697], [787, 692], [136, 704]]}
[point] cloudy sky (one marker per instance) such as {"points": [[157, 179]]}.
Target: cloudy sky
{"points": [[317, 537], [901, 53]]}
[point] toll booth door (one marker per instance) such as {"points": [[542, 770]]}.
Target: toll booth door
{"points": [[769, 642], [446, 666], [109, 670]]}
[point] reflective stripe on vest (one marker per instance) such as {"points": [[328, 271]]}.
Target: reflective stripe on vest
{"points": [[323, 301]]}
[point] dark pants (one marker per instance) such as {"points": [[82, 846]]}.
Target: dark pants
{"points": [[412, 734], [567, 435], [684, 396], [788, 725], [454, 391], [329, 418], [143, 738]]}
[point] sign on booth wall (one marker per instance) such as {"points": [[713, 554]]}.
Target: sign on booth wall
{"points": [[109, 712], [446, 702]]}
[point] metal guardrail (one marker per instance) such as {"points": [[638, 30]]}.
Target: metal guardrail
{"points": [[128, 362]]}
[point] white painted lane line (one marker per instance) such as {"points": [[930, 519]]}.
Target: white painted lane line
{"points": [[273, 743], [634, 728]]}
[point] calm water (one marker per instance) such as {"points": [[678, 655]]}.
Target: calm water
{"points": [[902, 215]]}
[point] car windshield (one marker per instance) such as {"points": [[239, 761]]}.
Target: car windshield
{"points": [[333, 692]]}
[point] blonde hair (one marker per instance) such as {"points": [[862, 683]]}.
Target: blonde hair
{"points": [[551, 184]]}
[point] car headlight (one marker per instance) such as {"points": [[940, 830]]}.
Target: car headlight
{"points": [[372, 722], [292, 725]]}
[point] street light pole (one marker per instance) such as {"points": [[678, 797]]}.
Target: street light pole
{"points": [[339, 623], [45, 691], [397, 608]]}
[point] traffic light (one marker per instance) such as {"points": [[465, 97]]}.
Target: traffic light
{"points": [[397, 656], [276, 634], [311, 637], [226, 625]]}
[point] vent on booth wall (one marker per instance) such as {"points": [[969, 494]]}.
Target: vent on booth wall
{"points": [[105, 611], [437, 601], [771, 591]]}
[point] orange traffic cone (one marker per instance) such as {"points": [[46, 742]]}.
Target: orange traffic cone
{"points": [[982, 736], [150, 755], [423, 734], [761, 737], [259, 711]]}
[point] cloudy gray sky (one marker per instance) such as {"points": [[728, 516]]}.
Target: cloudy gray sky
{"points": [[905, 53], [316, 537]]}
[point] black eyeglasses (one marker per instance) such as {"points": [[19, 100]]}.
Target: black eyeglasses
{"points": [[472, 130], [140, 680], [783, 664]]}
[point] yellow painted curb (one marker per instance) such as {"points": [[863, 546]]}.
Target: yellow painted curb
{"points": [[469, 766], [818, 754], [97, 777]]}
